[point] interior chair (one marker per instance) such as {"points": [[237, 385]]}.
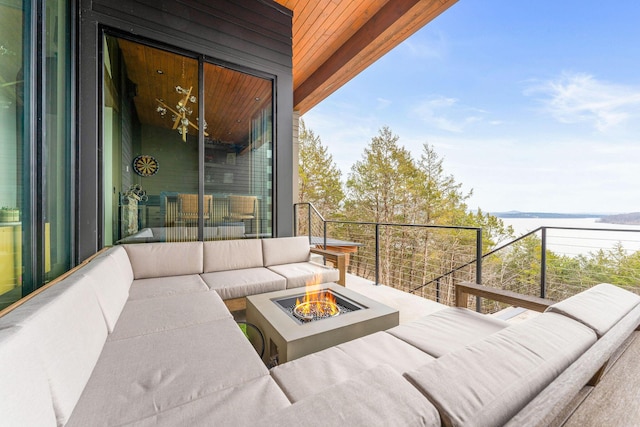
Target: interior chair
{"points": [[243, 208], [188, 208]]}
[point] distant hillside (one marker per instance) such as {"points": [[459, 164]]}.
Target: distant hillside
{"points": [[627, 219], [516, 214]]}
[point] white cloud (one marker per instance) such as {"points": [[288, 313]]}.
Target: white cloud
{"points": [[426, 45], [383, 103], [447, 114], [579, 97]]}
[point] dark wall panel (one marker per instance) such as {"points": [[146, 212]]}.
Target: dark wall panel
{"points": [[248, 34]]}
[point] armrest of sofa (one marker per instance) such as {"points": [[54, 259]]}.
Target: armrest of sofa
{"points": [[337, 259], [463, 291]]}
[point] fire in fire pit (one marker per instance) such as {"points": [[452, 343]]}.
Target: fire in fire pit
{"points": [[317, 305]]}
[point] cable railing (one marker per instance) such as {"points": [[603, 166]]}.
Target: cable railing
{"points": [[428, 260], [408, 257]]}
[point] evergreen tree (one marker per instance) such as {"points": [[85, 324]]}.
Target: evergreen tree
{"points": [[319, 177]]}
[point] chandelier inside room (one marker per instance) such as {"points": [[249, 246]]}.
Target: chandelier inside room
{"points": [[182, 112]]}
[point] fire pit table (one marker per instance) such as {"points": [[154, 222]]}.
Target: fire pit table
{"points": [[293, 327]]}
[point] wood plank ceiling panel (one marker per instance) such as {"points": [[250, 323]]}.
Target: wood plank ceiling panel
{"points": [[333, 41]]}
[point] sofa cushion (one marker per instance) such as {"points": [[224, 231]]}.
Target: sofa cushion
{"points": [[285, 250], [111, 285], [241, 283], [447, 330], [306, 273], [25, 397], [225, 255], [242, 405], [151, 315], [143, 376], [336, 364], [376, 397], [599, 307], [68, 331], [165, 286], [489, 381], [165, 259]]}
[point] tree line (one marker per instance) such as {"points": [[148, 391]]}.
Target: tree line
{"points": [[387, 185]]}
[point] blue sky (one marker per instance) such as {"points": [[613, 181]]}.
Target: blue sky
{"points": [[535, 105]]}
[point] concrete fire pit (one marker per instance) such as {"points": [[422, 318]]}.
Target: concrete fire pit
{"points": [[288, 338]]}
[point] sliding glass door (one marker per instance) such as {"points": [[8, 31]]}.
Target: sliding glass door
{"points": [[170, 174]]}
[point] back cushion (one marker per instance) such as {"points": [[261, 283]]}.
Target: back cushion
{"points": [[25, 397], [285, 250], [68, 331], [111, 285], [599, 307], [489, 381], [165, 259], [225, 255]]}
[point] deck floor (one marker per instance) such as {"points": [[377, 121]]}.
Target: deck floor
{"points": [[615, 401]]}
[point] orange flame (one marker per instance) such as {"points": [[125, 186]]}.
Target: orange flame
{"points": [[322, 303]]}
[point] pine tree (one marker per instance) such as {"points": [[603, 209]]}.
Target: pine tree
{"points": [[319, 176]]}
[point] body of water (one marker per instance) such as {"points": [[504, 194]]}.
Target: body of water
{"points": [[579, 242]]}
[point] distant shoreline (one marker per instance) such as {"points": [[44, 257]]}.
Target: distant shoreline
{"points": [[621, 219]]}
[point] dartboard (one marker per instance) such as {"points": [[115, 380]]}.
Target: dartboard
{"points": [[145, 165]]}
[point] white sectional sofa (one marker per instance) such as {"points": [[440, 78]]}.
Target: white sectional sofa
{"points": [[141, 336]]}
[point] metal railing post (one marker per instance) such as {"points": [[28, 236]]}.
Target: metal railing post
{"points": [[309, 221], [325, 235], [479, 267], [377, 254], [295, 219], [438, 290], [543, 264]]}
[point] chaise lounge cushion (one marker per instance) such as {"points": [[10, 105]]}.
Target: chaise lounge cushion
{"points": [[285, 250], [488, 382], [142, 376], [447, 330], [25, 398], [243, 405], [376, 397], [224, 255], [336, 364], [165, 259], [241, 283], [599, 307], [166, 286], [151, 315], [306, 273]]}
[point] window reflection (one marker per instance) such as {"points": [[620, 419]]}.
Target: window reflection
{"points": [[151, 120]]}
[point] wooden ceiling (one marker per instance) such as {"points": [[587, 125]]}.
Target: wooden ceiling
{"points": [[232, 98], [334, 40]]}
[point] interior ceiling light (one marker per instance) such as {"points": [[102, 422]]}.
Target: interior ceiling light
{"points": [[181, 112]]}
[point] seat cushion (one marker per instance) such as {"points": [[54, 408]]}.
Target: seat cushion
{"points": [[225, 255], [599, 307], [151, 315], [25, 397], [285, 250], [376, 397], [165, 259], [488, 382], [337, 364], [447, 330], [165, 286], [241, 283], [143, 376], [67, 329], [242, 405], [306, 273]]}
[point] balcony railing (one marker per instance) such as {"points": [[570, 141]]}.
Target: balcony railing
{"points": [[423, 259], [428, 260]]}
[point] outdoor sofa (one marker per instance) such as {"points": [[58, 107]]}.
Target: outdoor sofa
{"points": [[141, 336]]}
